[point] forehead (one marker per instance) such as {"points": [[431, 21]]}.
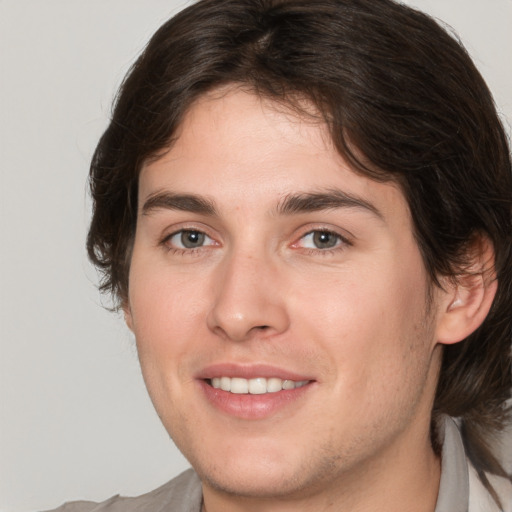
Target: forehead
{"points": [[231, 121], [235, 146]]}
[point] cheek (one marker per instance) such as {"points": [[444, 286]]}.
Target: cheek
{"points": [[167, 311], [372, 326], [165, 321]]}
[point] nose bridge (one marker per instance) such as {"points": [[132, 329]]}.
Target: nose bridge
{"points": [[247, 296]]}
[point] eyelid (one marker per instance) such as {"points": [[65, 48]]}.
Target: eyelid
{"points": [[343, 233]]}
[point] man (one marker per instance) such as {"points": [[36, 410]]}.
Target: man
{"points": [[304, 211]]}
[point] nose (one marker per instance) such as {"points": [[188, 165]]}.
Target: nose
{"points": [[249, 299]]}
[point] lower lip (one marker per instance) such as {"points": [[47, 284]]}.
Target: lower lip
{"points": [[252, 407]]}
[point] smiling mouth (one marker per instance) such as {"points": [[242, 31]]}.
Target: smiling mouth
{"points": [[256, 386]]}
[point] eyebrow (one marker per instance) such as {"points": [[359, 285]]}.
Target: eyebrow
{"points": [[183, 202], [289, 205], [325, 200]]}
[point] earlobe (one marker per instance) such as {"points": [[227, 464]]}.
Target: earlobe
{"points": [[128, 316], [468, 300]]}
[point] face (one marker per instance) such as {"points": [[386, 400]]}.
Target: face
{"points": [[278, 301]]}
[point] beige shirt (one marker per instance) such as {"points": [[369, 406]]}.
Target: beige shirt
{"points": [[460, 488]]}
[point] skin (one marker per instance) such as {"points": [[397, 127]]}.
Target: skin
{"points": [[353, 318]]}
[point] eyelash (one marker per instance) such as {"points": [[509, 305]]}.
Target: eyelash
{"points": [[341, 242]]}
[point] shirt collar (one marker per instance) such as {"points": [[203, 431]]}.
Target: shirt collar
{"points": [[454, 486]]}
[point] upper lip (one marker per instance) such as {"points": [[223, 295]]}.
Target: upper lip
{"points": [[250, 371]]}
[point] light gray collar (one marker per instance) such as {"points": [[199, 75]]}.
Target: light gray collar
{"points": [[454, 486]]}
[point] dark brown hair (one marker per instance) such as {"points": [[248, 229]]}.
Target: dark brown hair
{"points": [[403, 102]]}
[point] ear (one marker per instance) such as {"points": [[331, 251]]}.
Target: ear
{"points": [[127, 315], [468, 298]]}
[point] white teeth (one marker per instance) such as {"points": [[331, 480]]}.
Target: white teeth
{"points": [[288, 384], [257, 386], [239, 386], [274, 385], [225, 383]]}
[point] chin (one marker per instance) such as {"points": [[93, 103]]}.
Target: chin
{"points": [[270, 475], [262, 484]]}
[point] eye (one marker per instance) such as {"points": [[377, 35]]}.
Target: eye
{"points": [[321, 239], [188, 239]]}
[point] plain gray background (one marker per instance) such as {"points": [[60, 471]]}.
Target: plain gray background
{"points": [[75, 420]]}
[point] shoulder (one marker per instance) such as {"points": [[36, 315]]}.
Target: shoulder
{"points": [[183, 493], [76, 506], [479, 498]]}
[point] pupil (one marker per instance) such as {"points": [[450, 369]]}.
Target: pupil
{"points": [[191, 239], [324, 240]]}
